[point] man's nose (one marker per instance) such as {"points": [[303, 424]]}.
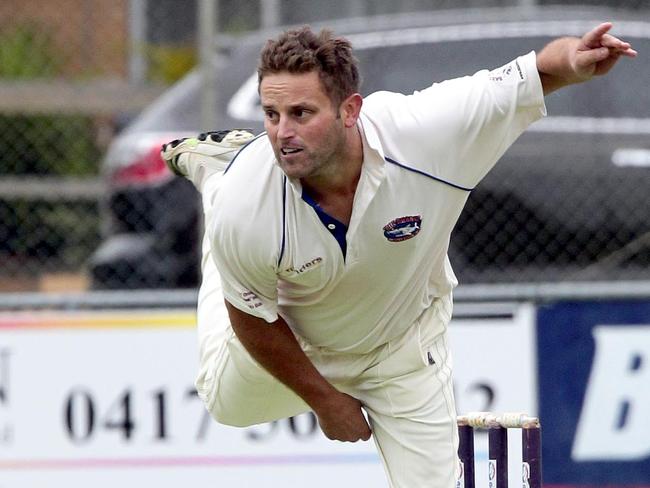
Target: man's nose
{"points": [[286, 129]]}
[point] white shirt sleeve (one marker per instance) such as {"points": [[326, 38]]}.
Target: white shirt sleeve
{"points": [[458, 129], [247, 269]]}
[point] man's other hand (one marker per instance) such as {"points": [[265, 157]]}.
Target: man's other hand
{"points": [[342, 419]]}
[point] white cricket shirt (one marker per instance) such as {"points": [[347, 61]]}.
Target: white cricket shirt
{"points": [[423, 153]]}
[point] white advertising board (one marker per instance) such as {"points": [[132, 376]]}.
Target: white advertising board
{"points": [[99, 398]]}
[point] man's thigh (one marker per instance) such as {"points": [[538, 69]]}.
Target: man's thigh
{"points": [[239, 392], [413, 417], [235, 388]]}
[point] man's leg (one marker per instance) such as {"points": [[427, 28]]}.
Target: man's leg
{"points": [[413, 417], [246, 394], [234, 387]]}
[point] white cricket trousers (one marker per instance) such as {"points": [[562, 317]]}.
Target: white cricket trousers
{"points": [[405, 387]]}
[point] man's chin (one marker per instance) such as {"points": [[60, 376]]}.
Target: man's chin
{"points": [[293, 169]]}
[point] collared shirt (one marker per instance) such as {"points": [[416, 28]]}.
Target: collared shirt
{"points": [[356, 288]]}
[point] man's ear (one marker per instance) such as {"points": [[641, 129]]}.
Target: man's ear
{"points": [[350, 108]]}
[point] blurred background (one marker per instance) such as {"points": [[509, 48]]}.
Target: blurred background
{"points": [[90, 88]]}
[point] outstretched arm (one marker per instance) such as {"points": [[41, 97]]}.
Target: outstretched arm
{"points": [[571, 60]]}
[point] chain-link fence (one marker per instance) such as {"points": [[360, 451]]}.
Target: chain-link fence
{"points": [[74, 73], [49, 152]]}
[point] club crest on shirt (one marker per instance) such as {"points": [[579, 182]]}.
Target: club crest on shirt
{"points": [[402, 228]]}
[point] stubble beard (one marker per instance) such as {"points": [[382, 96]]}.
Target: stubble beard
{"points": [[319, 163]]}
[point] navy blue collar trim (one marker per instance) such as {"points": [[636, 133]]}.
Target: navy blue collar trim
{"points": [[335, 227], [284, 218], [241, 149], [453, 185]]}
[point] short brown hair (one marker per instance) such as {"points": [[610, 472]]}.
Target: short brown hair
{"points": [[302, 51]]}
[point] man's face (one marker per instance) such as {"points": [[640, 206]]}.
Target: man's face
{"points": [[305, 131]]}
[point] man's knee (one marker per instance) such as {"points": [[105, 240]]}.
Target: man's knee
{"points": [[232, 415], [244, 411]]}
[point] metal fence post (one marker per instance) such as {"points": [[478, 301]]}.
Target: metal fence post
{"points": [[207, 22]]}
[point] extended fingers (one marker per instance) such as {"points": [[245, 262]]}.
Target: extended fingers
{"points": [[598, 37], [587, 60], [597, 52], [593, 38], [618, 46]]}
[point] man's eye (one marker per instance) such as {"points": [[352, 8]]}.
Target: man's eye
{"points": [[269, 114]]}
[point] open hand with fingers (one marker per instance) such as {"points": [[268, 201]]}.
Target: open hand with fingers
{"points": [[598, 51]]}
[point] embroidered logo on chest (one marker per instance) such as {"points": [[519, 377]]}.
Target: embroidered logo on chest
{"points": [[403, 228]]}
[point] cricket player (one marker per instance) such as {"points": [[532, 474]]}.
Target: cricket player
{"points": [[326, 283]]}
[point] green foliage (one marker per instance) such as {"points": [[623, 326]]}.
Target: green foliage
{"points": [[76, 224], [37, 235], [169, 63], [48, 145], [26, 52]]}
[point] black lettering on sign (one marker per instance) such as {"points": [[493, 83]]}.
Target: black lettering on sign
{"points": [[204, 423], [303, 426], [262, 432], [79, 415], [160, 414], [488, 393], [120, 416]]}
